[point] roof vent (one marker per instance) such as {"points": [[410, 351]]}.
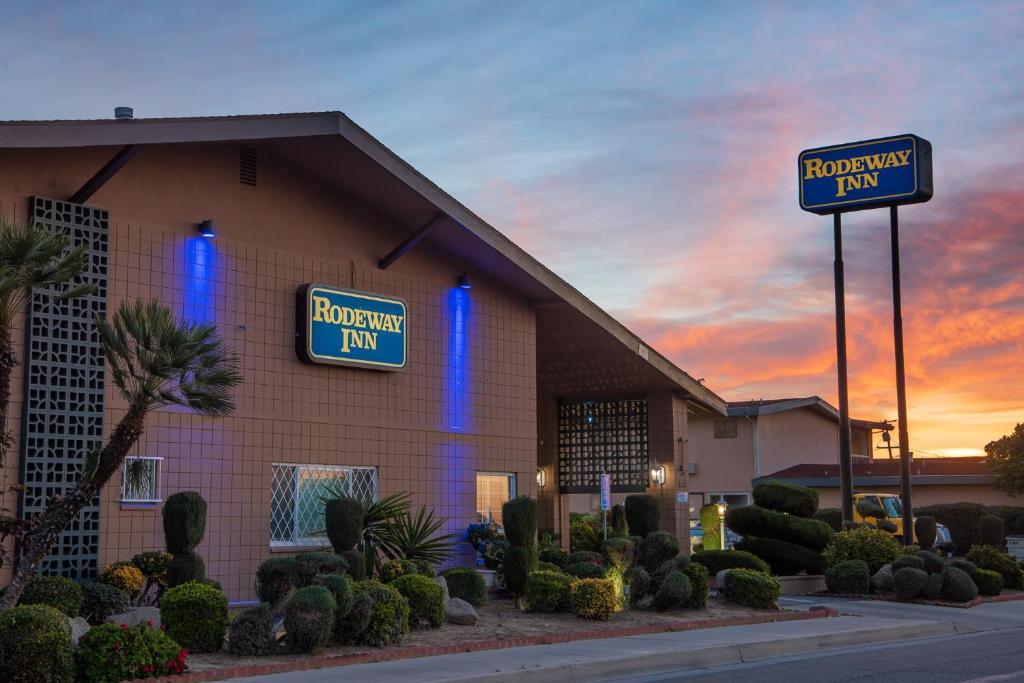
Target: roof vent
{"points": [[248, 167], [124, 113]]}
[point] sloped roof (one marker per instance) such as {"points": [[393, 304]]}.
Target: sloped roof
{"points": [[923, 471], [779, 405]]}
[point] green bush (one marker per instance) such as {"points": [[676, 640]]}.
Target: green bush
{"points": [[712, 527], [466, 584], [617, 523], [312, 564], [1012, 516], [639, 583], [618, 553], [593, 599], [392, 569], [102, 601], [109, 654], [548, 567], [666, 568], [195, 616], [991, 531], [549, 592], [584, 556], [907, 561], [153, 565], [426, 600], [123, 575], [957, 586], [988, 581], [356, 563], [675, 591], [762, 523], [554, 554], [425, 568], [389, 622], [184, 517], [340, 587], [997, 560], [343, 518], [933, 564], [251, 633], [519, 562], [35, 645], [964, 565], [751, 588], [348, 628], [276, 577], [960, 518], [925, 530], [56, 591], [784, 558], [643, 515], [831, 516], [583, 533], [586, 570], [933, 587], [717, 560], [185, 567], [909, 582], [519, 518], [657, 547], [309, 618], [792, 499], [699, 581], [875, 547], [850, 576]]}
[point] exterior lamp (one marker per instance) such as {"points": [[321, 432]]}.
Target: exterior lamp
{"points": [[206, 228], [542, 477], [721, 506], [463, 281], [658, 474]]}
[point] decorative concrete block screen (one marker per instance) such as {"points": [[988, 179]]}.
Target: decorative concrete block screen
{"points": [[602, 436], [64, 386], [296, 499]]}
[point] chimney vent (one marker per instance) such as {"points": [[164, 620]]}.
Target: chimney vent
{"points": [[123, 113]]}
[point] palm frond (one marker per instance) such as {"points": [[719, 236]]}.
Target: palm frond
{"points": [[417, 538]]}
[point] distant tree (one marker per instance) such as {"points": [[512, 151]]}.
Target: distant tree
{"points": [[1005, 457]]}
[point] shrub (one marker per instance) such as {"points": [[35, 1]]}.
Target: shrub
{"points": [[964, 565], [639, 583], [997, 560], [555, 555], [583, 534], [850, 576], [618, 553], [348, 628], [656, 548], [712, 527], [717, 560], [988, 581], [123, 575], [831, 516], [751, 588], [356, 563], [309, 618], [1012, 516], [392, 569], [991, 531], [548, 567], [924, 530], [466, 584], [586, 570], [792, 499], [675, 591], [425, 568], [341, 590], [699, 581], [762, 523], [933, 564], [907, 561], [548, 592], [184, 517], [276, 578], [110, 653], [185, 567], [932, 587], [58, 592], [643, 515], [784, 558], [617, 523], [35, 645], [519, 518], [962, 520], [479, 534], [593, 599], [584, 556], [426, 600], [251, 633], [343, 518], [310, 565], [909, 582], [389, 622], [195, 615], [101, 601], [875, 547], [957, 585]]}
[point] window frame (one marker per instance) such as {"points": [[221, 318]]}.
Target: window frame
{"points": [[318, 541], [512, 489], [727, 423], [155, 488]]}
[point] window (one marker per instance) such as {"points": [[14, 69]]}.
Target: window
{"points": [[725, 429], [493, 489], [296, 508], [140, 479]]}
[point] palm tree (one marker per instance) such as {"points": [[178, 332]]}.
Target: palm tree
{"points": [[154, 361]]}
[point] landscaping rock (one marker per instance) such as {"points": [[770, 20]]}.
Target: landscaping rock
{"points": [[136, 616], [443, 583], [882, 581], [460, 612], [720, 578], [79, 627]]}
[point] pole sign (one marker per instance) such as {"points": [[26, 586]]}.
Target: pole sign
{"points": [[866, 175], [606, 491], [345, 327]]}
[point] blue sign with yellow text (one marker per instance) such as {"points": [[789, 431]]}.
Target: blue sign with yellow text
{"points": [[345, 327], [866, 175]]}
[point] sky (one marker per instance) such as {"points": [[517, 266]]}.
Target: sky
{"points": [[646, 152]]}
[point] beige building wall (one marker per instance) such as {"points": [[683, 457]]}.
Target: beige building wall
{"points": [[723, 465]]}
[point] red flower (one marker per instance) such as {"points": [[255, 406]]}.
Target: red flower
{"points": [[149, 623], [124, 627]]}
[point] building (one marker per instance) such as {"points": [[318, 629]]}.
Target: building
{"points": [[499, 379]]}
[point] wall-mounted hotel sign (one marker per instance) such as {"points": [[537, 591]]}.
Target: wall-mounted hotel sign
{"points": [[866, 175], [345, 327]]}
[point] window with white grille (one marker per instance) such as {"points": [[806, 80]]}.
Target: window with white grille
{"points": [[140, 479], [297, 494]]}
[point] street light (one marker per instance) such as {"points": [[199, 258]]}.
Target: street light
{"points": [[721, 506]]}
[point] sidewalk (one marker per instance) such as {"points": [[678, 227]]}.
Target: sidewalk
{"points": [[615, 658]]}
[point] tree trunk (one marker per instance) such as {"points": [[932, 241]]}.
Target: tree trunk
{"points": [[7, 362], [44, 530]]}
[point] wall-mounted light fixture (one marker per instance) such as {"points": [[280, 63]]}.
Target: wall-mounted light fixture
{"points": [[463, 281], [658, 474], [542, 477], [206, 229]]}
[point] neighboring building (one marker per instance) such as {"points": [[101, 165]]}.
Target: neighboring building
{"points": [[510, 377]]}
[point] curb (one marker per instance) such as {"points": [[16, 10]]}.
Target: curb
{"points": [[890, 597], [329, 661]]}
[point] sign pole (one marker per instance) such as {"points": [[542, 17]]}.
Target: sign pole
{"points": [[901, 379], [845, 461]]}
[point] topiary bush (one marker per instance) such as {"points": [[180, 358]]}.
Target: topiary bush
{"points": [[195, 615], [699, 582], [276, 577], [466, 584], [961, 519], [925, 530], [617, 523], [312, 564], [639, 583], [933, 564], [184, 518], [389, 622], [831, 516], [309, 618], [348, 628], [675, 591], [875, 547], [123, 575], [909, 582], [102, 601], [991, 531], [343, 518], [110, 654], [643, 515], [1012, 516], [58, 592], [340, 587], [593, 599], [426, 600], [932, 587], [712, 527], [957, 586], [185, 567], [657, 547], [791, 499], [549, 592], [356, 562], [586, 570], [251, 633], [850, 576], [784, 558], [519, 518], [392, 569], [763, 523], [988, 581], [907, 561], [35, 645], [997, 560], [583, 533], [717, 560], [751, 588]]}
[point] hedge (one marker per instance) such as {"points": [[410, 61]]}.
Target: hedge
{"points": [[717, 560], [988, 581], [753, 520], [997, 560], [784, 558], [593, 599], [792, 499], [961, 519], [850, 576], [751, 588], [549, 592], [1012, 516], [466, 584], [831, 516], [991, 531]]}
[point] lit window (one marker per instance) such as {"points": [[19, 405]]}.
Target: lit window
{"points": [[140, 480], [493, 489], [725, 429], [297, 494]]}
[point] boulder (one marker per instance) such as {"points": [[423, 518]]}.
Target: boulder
{"points": [[882, 581], [135, 616], [460, 612], [79, 627], [720, 578], [443, 583]]}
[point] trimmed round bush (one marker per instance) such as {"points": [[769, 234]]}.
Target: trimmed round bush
{"points": [[184, 568], [964, 565], [555, 555], [925, 531], [586, 570], [425, 568], [643, 514], [907, 561], [657, 547], [35, 645], [276, 578], [717, 560], [58, 592], [876, 548], [957, 586], [392, 569], [997, 560], [584, 556], [593, 599], [991, 531], [699, 581], [426, 600], [111, 653], [340, 587], [933, 564], [751, 588], [195, 615], [309, 618], [933, 587], [850, 576], [792, 499], [123, 575], [639, 583], [988, 581], [549, 592], [102, 601], [784, 558], [312, 564], [831, 516], [251, 633], [348, 628], [675, 591], [466, 584], [343, 518], [909, 582], [762, 523], [184, 517], [389, 623]]}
